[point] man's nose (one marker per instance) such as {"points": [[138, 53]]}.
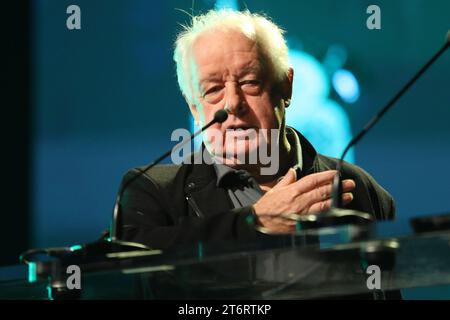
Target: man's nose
{"points": [[234, 101]]}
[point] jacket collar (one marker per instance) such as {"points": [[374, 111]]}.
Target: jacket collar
{"points": [[309, 156]]}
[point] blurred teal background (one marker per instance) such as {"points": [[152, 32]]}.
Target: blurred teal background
{"points": [[105, 98]]}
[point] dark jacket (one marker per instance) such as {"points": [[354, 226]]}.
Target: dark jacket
{"points": [[181, 204]]}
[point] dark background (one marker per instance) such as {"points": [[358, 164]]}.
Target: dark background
{"points": [[82, 106], [15, 134]]}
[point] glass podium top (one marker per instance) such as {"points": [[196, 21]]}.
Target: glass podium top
{"points": [[326, 263]]}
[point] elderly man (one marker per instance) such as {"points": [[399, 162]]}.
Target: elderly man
{"points": [[238, 61]]}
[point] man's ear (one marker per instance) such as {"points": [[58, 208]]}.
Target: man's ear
{"points": [[287, 87]]}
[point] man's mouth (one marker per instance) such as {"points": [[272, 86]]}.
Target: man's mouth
{"points": [[242, 131], [241, 127]]}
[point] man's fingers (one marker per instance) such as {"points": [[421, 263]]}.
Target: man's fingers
{"points": [[325, 205], [319, 207], [324, 192], [312, 181], [290, 177], [347, 197], [348, 185]]}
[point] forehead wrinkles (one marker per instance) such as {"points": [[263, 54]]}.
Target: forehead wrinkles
{"points": [[211, 51], [210, 48]]}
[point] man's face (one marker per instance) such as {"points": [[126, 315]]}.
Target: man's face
{"points": [[228, 70]]}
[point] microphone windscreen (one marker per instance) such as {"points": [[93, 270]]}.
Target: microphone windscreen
{"points": [[220, 116]]}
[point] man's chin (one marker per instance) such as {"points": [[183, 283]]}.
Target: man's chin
{"points": [[238, 157]]}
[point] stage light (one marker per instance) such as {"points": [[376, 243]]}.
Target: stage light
{"points": [[323, 121], [346, 85]]}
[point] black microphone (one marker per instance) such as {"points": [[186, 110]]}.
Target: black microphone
{"points": [[219, 117], [337, 183]]}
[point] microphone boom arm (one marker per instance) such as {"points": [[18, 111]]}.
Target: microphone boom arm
{"points": [[219, 117], [337, 185]]}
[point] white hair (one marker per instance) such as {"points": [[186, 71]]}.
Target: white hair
{"points": [[267, 35]]}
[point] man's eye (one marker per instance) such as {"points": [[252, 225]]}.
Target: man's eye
{"points": [[213, 90], [250, 82], [251, 87]]}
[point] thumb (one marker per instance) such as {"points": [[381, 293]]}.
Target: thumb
{"points": [[290, 177]]}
